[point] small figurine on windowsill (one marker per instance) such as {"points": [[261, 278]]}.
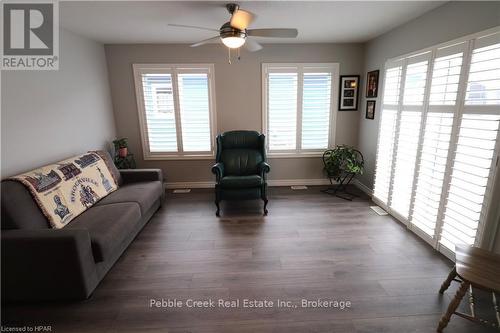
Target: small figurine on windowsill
{"points": [[123, 159]]}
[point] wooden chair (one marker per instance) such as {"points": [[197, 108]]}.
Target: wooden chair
{"points": [[476, 268]]}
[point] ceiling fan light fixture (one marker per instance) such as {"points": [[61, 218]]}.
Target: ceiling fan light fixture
{"points": [[233, 42]]}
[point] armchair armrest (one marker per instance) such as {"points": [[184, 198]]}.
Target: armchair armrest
{"points": [[141, 175], [264, 167], [218, 170], [43, 264]]}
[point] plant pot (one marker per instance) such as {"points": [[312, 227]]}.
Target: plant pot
{"points": [[123, 152]]}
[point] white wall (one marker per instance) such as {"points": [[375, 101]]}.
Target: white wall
{"points": [[238, 98], [50, 115]]}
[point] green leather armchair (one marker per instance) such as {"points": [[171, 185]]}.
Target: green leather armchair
{"points": [[240, 167]]}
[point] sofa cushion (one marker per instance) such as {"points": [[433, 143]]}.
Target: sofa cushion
{"points": [[108, 226], [143, 193], [241, 181]]}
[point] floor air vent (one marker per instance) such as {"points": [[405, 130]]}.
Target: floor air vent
{"points": [[182, 190], [298, 187], [378, 210]]}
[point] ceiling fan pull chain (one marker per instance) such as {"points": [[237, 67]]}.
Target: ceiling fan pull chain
{"points": [[239, 57], [229, 55]]}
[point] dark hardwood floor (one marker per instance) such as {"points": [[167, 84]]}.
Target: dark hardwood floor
{"points": [[310, 246]]}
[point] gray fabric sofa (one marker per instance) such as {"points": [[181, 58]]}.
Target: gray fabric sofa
{"points": [[40, 263]]}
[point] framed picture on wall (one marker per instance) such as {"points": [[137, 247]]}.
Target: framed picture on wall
{"points": [[372, 84], [370, 110], [349, 91]]}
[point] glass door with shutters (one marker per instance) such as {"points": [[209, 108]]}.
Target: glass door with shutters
{"points": [[438, 140]]}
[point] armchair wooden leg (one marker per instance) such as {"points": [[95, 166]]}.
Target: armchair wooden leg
{"points": [[265, 206], [445, 319], [217, 212], [447, 282]]}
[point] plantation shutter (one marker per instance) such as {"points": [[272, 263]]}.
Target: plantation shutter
{"points": [[194, 111], [159, 112], [408, 134], [175, 109], [298, 107], [476, 154], [446, 73], [316, 99], [387, 133], [282, 110], [438, 142]]}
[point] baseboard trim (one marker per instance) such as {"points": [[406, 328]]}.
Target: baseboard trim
{"points": [[293, 182], [368, 191], [176, 185], [275, 182]]}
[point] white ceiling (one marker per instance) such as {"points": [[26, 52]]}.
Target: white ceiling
{"points": [[113, 22]]}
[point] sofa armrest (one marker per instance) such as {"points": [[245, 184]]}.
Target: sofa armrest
{"points": [[45, 264], [218, 170], [141, 175]]}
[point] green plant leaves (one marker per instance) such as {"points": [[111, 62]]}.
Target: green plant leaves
{"points": [[343, 159]]}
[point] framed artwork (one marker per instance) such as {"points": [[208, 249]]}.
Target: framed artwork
{"points": [[372, 84], [349, 91], [370, 110]]}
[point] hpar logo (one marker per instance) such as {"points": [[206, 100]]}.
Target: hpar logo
{"points": [[30, 35]]}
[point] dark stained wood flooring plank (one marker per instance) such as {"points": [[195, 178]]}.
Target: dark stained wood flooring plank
{"points": [[310, 246]]}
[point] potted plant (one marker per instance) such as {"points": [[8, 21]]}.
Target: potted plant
{"points": [[343, 159], [121, 146]]}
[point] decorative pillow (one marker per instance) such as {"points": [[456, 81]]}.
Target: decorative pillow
{"points": [[66, 189]]}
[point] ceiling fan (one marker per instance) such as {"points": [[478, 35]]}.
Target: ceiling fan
{"points": [[235, 34]]}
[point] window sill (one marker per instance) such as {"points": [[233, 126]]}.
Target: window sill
{"points": [[294, 155], [159, 157]]}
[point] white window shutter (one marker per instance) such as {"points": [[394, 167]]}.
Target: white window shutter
{"points": [[316, 106], [440, 178], [475, 155], [176, 110], [483, 87], [386, 139], [407, 141], [432, 167], [387, 133], [445, 79], [469, 179], [298, 107], [194, 111], [282, 111], [435, 145], [406, 152], [159, 112]]}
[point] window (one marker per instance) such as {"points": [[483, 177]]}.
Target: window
{"points": [[438, 140], [176, 110], [299, 107]]}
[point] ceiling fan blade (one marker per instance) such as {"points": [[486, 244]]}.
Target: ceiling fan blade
{"points": [[280, 33], [192, 27], [252, 45], [206, 41], [241, 19]]}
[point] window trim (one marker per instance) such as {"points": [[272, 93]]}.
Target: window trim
{"points": [[334, 69], [174, 69]]}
